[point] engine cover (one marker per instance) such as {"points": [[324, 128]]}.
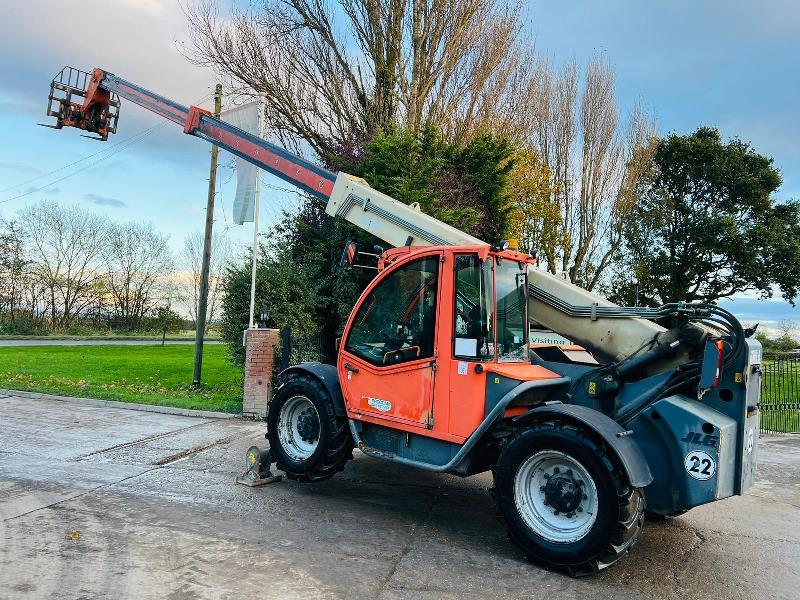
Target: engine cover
{"points": [[692, 450]]}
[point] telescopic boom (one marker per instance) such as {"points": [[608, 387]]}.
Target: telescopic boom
{"points": [[91, 101]]}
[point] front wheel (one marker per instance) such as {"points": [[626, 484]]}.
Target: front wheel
{"points": [[566, 499], [307, 440]]}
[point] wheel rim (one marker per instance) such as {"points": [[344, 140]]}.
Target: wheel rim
{"points": [[298, 428], [556, 496]]}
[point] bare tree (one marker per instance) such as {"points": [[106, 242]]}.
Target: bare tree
{"points": [[22, 293], [136, 258], [65, 244], [336, 73], [14, 268], [595, 164], [788, 329], [193, 260]]}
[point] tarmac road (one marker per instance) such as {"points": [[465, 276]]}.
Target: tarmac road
{"points": [[100, 502]]}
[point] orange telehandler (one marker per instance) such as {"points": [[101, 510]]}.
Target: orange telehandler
{"points": [[435, 371]]}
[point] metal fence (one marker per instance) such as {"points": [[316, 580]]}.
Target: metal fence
{"points": [[298, 347], [780, 393]]}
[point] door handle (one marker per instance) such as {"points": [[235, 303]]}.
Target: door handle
{"points": [[350, 367]]}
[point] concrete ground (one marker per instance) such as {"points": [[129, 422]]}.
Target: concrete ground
{"points": [[100, 502]]}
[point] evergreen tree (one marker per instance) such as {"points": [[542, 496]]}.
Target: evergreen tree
{"points": [[299, 275]]}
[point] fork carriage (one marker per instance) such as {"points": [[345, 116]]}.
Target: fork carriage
{"points": [[77, 100]]}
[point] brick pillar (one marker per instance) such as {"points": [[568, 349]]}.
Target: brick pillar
{"points": [[261, 344]]}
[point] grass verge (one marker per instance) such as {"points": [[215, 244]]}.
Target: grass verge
{"points": [[160, 375]]}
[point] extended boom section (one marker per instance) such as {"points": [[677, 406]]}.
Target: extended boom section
{"points": [[102, 92]]}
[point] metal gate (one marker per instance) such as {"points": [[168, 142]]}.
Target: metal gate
{"points": [[780, 394], [298, 347]]}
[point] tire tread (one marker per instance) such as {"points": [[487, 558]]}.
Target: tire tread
{"points": [[631, 502], [339, 443]]}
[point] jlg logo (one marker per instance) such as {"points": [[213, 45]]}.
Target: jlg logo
{"points": [[698, 438]]}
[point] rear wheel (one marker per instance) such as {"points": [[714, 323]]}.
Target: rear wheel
{"points": [[565, 498], [307, 440]]}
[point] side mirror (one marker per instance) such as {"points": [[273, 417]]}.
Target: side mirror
{"points": [[349, 254]]}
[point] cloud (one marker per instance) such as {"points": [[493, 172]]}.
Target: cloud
{"points": [[7, 166], [764, 311], [150, 26], [104, 200], [153, 27], [49, 191]]}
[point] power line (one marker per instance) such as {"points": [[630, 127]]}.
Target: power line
{"points": [[130, 142], [80, 160], [115, 148]]}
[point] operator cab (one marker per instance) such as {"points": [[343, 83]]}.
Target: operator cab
{"points": [[397, 319], [437, 337], [491, 308]]}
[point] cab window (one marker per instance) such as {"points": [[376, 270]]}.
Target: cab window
{"points": [[396, 322], [474, 330], [511, 281]]}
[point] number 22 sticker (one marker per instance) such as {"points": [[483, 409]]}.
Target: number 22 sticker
{"points": [[700, 465]]}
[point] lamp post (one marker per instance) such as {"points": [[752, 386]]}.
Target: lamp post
{"points": [[263, 315], [636, 283]]}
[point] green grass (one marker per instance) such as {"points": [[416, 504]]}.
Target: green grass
{"points": [[148, 374], [183, 334], [780, 421], [780, 396]]}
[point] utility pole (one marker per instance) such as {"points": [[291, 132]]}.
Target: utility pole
{"points": [[206, 268]]}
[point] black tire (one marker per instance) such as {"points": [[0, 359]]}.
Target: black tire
{"points": [[620, 507], [335, 444]]}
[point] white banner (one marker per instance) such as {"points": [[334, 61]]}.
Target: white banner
{"points": [[246, 117]]}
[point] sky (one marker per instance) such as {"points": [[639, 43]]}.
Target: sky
{"points": [[728, 63], [160, 176]]}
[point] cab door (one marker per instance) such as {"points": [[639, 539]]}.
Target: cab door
{"points": [[387, 363]]}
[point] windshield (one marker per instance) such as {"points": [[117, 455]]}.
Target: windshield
{"points": [[511, 281]]}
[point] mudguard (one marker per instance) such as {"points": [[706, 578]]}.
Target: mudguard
{"points": [[327, 376], [618, 439]]}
